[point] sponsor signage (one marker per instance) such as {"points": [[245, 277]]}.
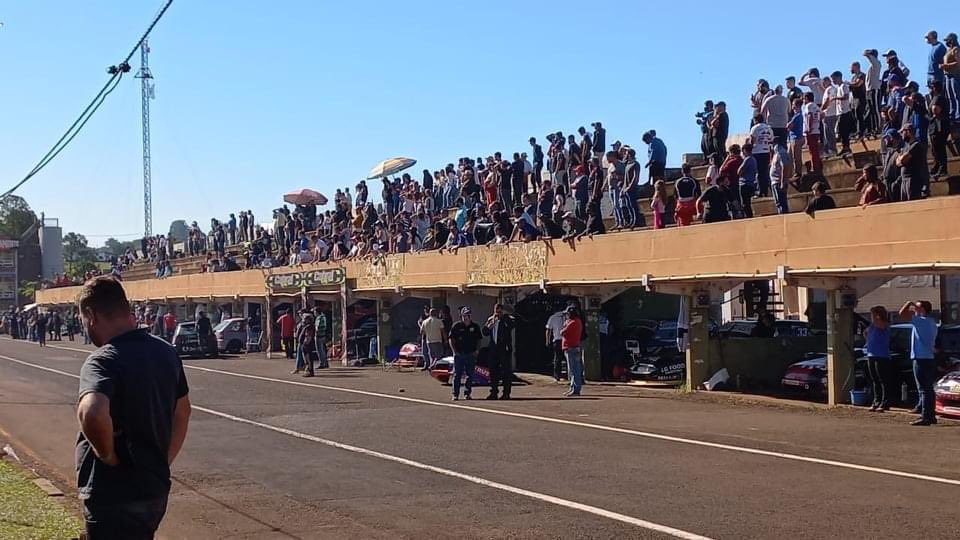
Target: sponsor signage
{"points": [[296, 281]]}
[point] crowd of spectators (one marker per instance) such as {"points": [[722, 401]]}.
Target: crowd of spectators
{"points": [[563, 191]]}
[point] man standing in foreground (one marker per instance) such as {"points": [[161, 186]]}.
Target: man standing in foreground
{"points": [[570, 336], [133, 410], [500, 329], [923, 336], [465, 336]]}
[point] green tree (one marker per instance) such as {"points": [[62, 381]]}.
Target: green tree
{"points": [[16, 218], [28, 291], [78, 257], [118, 248]]}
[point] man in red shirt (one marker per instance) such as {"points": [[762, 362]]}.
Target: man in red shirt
{"points": [[287, 324], [169, 324], [570, 336]]}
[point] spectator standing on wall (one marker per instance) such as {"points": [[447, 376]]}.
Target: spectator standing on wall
{"points": [[747, 179], [795, 137], [935, 60], [781, 170], [686, 190], [858, 91], [793, 91], [873, 89], [811, 130], [951, 71], [631, 191], [761, 137], [843, 107], [720, 128], [232, 229], [775, 111], [656, 156], [759, 95], [831, 115], [599, 139], [939, 128], [912, 160]]}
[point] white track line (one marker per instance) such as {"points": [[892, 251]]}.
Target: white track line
{"points": [[600, 512], [599, 427]]}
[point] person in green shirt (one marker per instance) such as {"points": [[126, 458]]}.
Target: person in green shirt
{"points": [[321, 337]]}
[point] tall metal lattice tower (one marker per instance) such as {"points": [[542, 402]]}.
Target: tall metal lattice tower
{"points": [[147, 93]]}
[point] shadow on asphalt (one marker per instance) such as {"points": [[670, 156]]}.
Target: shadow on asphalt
{"points": [[272, 528], [558, 398]]}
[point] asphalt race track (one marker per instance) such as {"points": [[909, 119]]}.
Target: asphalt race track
{"points": [[347, 454]]}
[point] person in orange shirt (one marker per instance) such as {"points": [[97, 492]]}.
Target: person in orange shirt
{"points": [[169, 325], [286, 324]]}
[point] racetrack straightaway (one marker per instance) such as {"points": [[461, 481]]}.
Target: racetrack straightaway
{"points": [[600, 471]]}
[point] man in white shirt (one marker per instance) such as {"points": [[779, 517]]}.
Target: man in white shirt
{"points": [[761, 135], [554, 325], [811, 79], [831, 114], [811, 130], [527, 169], [433, 333], [873, 91], [843, 105]]}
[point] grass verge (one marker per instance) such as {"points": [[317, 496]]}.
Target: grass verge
{"points": [[27, 512]]}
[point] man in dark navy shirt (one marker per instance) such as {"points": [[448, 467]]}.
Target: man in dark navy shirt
{"points": [[133, 411], [465, 336]]}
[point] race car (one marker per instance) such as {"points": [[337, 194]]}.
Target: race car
{"points": [[442, 370], [947, 392], [810, 375]]}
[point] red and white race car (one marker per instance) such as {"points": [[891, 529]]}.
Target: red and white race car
{"points": [[947, 392]]}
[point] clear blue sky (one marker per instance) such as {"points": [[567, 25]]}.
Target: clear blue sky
{"points": [[256, 98]]}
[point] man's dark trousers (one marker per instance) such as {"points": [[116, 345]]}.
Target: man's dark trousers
{"points": [[925, 372], [135, 520], [288, 346], [501, 370]]}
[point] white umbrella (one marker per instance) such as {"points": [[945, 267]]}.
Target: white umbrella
{"points": [[390, 167]]}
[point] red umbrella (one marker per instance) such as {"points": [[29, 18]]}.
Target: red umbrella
{"points": [[305, 196]]}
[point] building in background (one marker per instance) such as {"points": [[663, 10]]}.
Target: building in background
{"points": [[9, 278], [51, 247]]}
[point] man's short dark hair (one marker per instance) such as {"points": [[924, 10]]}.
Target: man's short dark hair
{"points": [[686, 169], [820, 187], [103, 295], [926, 305]]}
